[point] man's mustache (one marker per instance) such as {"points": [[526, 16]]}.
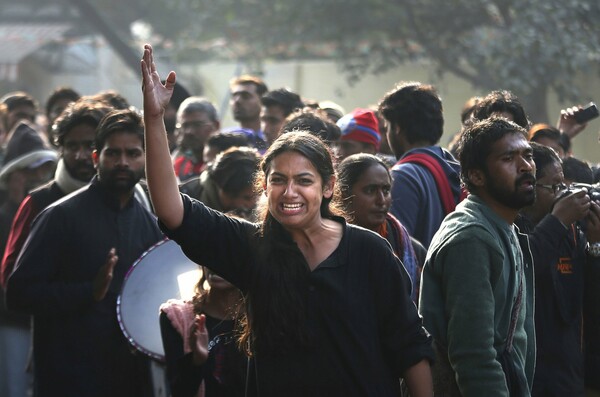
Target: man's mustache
{"points": [[525, 178]]}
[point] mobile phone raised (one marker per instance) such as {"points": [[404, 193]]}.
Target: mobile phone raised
{"points": [[587, 113]]}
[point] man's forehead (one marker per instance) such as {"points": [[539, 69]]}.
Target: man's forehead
{"points": [[120, 137], [511, 143], [120, 147], [248, 87]]}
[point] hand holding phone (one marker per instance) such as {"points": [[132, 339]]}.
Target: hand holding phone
{"points": [[573, 120], [586, 113]]}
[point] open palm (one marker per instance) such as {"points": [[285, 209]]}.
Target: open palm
{"points": [[156, 95]]}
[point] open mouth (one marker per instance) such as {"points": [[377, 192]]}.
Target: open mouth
{"points": [[528, 185], [291, 208]]}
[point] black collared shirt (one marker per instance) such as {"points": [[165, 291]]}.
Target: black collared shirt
{"points": [[364, 326]]}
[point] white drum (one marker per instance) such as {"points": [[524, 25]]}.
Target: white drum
{"points": [[161, 273]]}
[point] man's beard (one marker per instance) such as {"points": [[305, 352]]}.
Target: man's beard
{"points": [[82, 171], [516, 198], [120, 184]]}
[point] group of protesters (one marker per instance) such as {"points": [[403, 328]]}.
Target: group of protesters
{"points": [[343, 253]]}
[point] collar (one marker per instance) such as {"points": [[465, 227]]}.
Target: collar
{"points": [[64, 180]]}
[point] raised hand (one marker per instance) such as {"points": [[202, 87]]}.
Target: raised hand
{"points": [[567, 123], [162, 182], [156, 95], [199, 340], [104, 276]]}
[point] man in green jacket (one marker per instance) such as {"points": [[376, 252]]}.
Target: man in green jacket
{"points": [[477, 283]]}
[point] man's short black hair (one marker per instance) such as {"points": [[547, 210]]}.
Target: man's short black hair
{"points": [[501, 101], [576, 170], [541, 130], [58, 95], [77, 113], [286, 99], [225, 140], [542, 156], [12, 100], [310, 121], [126, 120], [416, 109]]}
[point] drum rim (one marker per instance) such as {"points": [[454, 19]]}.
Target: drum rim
{"points": [[126, 333]]}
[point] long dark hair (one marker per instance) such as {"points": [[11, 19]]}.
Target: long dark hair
{"points": [[200, 294], [276, 314]]}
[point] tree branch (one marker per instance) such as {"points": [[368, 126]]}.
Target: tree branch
{"points": [[127, 54]]}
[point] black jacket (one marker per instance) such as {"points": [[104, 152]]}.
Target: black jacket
{"points": [[562, 270], [78, 346]]}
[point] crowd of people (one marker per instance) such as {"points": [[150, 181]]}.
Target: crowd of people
{"points": [[342, 253]]}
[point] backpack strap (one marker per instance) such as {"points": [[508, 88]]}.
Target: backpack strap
{"points": [[441, 180]]}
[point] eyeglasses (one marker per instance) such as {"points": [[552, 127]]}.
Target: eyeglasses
{"points": [[556, 188]]}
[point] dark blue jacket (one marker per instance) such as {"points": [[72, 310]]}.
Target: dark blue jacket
{"points": [[415, 197]]}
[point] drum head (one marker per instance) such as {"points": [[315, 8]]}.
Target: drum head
{"points": [[161, 273]]}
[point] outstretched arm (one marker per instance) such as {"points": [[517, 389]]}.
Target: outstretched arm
{"points": [[162, 182]]}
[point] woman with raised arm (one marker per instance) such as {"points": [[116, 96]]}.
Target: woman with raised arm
{"points": [[328, 307]]}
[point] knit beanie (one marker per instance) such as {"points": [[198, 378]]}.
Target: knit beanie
{"points": [[361, 125]]}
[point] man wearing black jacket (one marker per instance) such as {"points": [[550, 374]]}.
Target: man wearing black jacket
{"points": [[72, 267], [566, 258], [75, 131]]}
